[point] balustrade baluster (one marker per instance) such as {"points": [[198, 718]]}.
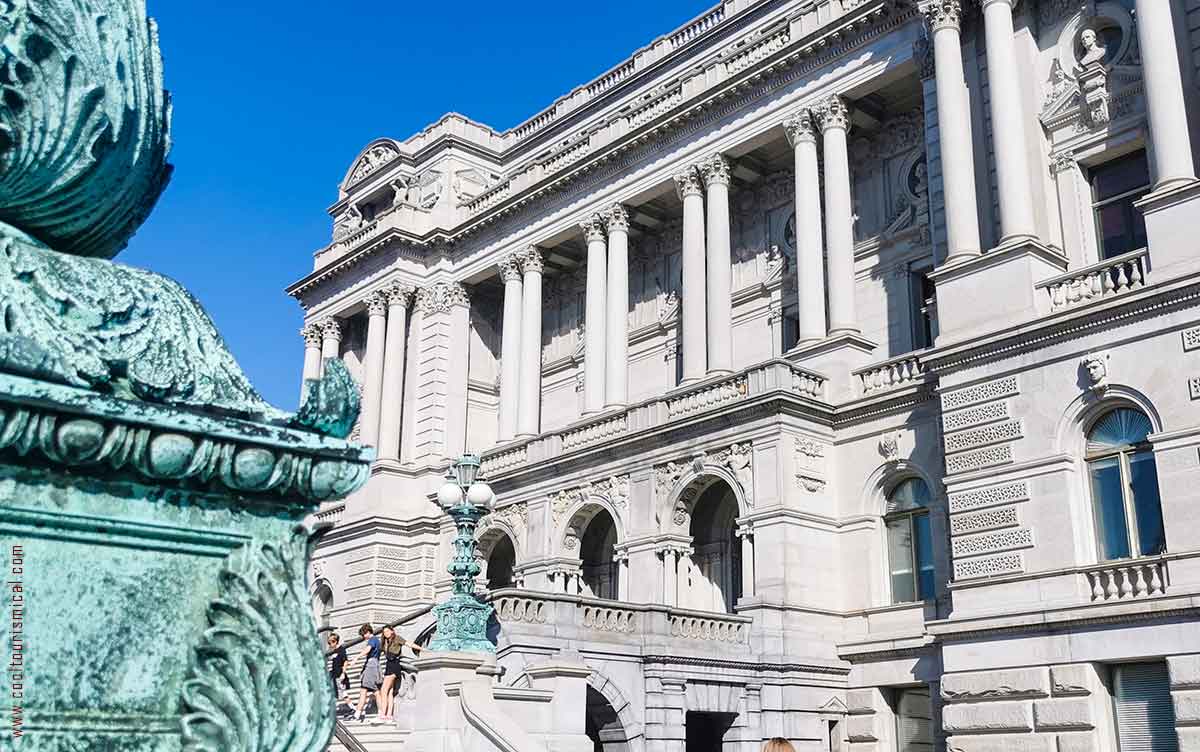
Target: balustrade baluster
{"points": [[1139, 583]]}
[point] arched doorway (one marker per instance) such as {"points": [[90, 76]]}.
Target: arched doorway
{"points": [[501, 561], [715, 577], [322, 604], [603, 726], [596, 547]]}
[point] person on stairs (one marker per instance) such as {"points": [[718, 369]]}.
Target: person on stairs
{"points": [[393, 672], [371, 677]]}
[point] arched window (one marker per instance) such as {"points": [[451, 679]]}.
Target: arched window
{"points": [[910, 543], [1124, 483], [500, 563]]}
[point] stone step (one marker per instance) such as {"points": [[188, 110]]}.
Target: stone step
{"points": [[375, 736]]}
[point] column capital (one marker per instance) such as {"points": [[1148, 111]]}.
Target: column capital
{"points": [[593, 228], [688, 183], [331, 328], [715, 170], [616, 218], [510, 268], [312, 334], [1062, 161], [399, 294], [835, 113], [441, 297], [942, 14], [531, 260], [800, 128], [377, 303]]}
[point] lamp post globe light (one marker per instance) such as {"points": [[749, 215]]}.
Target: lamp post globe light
{"points": [[463, 619]]}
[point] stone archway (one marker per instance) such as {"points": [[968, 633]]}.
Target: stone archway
{"points": [[322, 603], [713, 580], [610, 720], [592, 533]]}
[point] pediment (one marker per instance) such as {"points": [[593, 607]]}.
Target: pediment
{"points": [[376, 155]]}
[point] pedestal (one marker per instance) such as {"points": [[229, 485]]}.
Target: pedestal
{"points": [[1171, 228]]}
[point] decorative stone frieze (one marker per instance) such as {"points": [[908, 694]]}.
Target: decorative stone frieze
{"points": [[977, 437], [800, 128], [974, 416], [688, 183], [989, 543], [979, 459], [992, 390], [988, 519], [715, 170], [441, 297], [990, 566], [375, 157], [986, 497], [516, 516]]}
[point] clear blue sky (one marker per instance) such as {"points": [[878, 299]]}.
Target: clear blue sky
{"points": [[274, 99]]}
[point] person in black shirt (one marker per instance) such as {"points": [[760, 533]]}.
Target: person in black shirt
{"points": [[337, 665]]}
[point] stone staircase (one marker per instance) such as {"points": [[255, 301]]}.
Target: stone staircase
{"points": [[373, 736]]}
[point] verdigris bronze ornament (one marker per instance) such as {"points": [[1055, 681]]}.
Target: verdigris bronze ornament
{"points": [[152, 504]]}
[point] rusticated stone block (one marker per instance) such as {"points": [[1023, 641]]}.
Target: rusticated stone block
{"points": [[1073, 679], [860, 701], [1001, 743], [1185, 671], [1189, 739], [996, 685], [1063, 714], [988, 716], [1187, 707], [1078, 741], [862, 728]]}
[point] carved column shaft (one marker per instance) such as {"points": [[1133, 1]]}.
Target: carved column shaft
{"points": [[695, 351], [670, 559], [510, 348], [595, 313], [746, 537], [530, 399], [954, 132], [715, 171], [1173, 164], [394, 360], [312, 354], [616, 378], [839, 219], [1008, 124], [810, 249], [373, 368]]}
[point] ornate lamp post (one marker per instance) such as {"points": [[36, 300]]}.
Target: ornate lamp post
{"points": [[463, 619]]}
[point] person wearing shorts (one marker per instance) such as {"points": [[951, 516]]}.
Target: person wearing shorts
{"points": [[393, 673], [371, 679]]}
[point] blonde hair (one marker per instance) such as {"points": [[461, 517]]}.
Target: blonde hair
{"points": [[778, 744]]}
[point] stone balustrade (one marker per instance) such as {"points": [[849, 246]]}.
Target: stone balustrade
{"points": [[776, 377], [1111, 277], [655, 106], [697, 27], [611, 79], [331, 512], [754, 50], [599, 430], [633, 621], [1112, 581], [901, 371]]}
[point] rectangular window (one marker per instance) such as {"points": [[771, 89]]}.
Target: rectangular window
{"points": [[914, 720], [1110, 508], [924, 309], [1116, 185], [900, 558], [1142, 706]]}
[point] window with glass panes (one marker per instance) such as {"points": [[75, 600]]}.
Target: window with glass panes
{"points": [[1116, 185], [909, 541], [1145, 715], [924, 308], [914, 720], [1124, 486]]}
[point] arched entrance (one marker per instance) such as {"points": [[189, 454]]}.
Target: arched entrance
{"points": [[501, 561], [715, 576], [603, 726], [599, 574]]}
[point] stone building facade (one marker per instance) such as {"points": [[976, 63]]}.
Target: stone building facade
{"points": [[837, 367]]}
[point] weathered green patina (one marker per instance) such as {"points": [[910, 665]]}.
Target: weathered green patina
{"points": [[152, 504]]}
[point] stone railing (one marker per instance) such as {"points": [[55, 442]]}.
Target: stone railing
{"points": [[566, 156], [708, 396], [1113, 276], [695, 625], [774, 377], [611, 79], [599, 430], [635, 622], [756, 50], [534, 124], [1113, 581], [655, 106], [906, 369], [697, 27], [332, 512]]}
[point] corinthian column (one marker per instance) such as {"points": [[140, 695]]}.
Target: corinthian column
{"points": [[616, 378], [954, 130], [839, 221], [715, 171], [810, 254], [1172, 149], [1008, 124], [392, 399], [688, 186], [510, 347], [373, 370], [331, 340], [312, 354], [594, 315], [530, 401]]}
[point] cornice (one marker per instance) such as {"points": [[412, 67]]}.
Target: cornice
{"points": [[759, 667]]}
